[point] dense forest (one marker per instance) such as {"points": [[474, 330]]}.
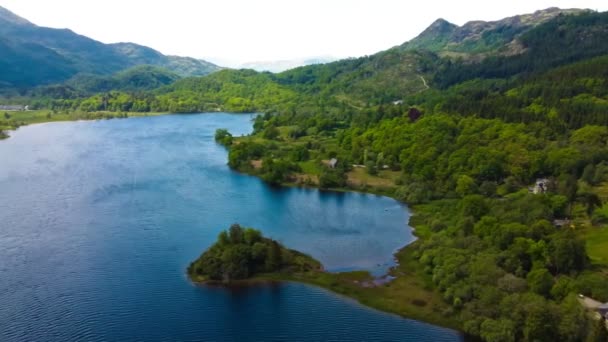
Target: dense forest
{"points": [[508, 261], [504, 160]]}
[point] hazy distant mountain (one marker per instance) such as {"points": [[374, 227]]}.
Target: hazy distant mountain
{"points": [[282, 65], [481, 37], [33, 55]]}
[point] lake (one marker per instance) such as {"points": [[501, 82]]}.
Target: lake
{"points": [[99, 220]]}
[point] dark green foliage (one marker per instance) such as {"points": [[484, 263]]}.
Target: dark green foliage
{"points": [[599, 332], [277, 171], [513, 273], [567, 253], [140, 78], [241, 253], [223, 137], [477, 37], [474, 206], [241, 154], [332, 178], [565, 39], [540, 281], [270, 132], [593, 285]]}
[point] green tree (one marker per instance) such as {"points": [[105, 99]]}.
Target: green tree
{"points": [[235, 261], [590, 200], [497, 331], [474, 205], [236, 234], [274, 259], [270, 132], [465, 186], [598, 332], [573, 320], [540, 281], [540, 322], [589, 174], [567, 253], [223, 137]]}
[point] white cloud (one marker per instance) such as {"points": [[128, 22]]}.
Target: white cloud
{"points": [[237, 31]]}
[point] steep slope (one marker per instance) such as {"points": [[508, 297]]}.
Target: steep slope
{"points": [[435, 38], [38, 55], [565, 39], [29, 64], [139, 78], [387, 77], [183, 66], [8, 18], [481, 37]]}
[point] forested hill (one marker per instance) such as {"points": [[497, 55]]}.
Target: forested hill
{"points": [[139, 78], [33, 55], [503, 157], [505, 86], [507, 174]]}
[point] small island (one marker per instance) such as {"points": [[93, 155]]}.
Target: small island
{"points": [[244, 253]]}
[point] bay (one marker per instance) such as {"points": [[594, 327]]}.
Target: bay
{"points": [[99, 220]]}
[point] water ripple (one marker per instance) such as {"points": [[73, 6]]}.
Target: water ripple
{"points": [[99, 221]]}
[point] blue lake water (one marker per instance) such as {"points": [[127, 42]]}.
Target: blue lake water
{"points": [[99, 220]]}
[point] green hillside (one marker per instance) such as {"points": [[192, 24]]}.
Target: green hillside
{"points": [[140, 78], [464, 141], [477, 39], [34, 55]]}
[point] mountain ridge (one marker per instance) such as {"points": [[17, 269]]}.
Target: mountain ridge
{"points": [[478, 37], [36, 55]]}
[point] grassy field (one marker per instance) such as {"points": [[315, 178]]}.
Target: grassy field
{"points": [[384, 179], [597, 244], [596, 238], [14, 119]]}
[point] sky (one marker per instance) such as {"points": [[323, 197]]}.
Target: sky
{"points": [[233, 32]]}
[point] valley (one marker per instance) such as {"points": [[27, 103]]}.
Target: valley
{"points": [[461, 124]]}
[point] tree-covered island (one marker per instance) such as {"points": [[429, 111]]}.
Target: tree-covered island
{"points": [[241, 253]]}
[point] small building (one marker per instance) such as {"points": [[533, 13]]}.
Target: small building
{"points": [[561, 223], [398, 102], [13, 108], [603, 310], [333, 162], [594, 306], [541, 186]]}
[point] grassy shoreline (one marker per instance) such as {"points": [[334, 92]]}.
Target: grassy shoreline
{"points": [[410, 294], [407, 295], [16, 119]]}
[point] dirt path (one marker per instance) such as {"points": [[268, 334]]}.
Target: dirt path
{"points": [[424, 81]]}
